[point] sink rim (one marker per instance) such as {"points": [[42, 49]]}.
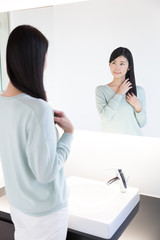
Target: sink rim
{"points": [[107, 227]]}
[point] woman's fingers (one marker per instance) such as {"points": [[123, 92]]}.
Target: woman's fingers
{"points": [[58, 113], [61, 119], [125, 87], [127, 83], [129, 95]]}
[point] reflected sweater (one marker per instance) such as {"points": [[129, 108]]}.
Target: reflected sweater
{"points": [[117, 115], [32, 159]]}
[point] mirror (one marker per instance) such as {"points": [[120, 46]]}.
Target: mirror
{"points": [[82, 37]]}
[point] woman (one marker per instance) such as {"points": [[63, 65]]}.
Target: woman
{"points": [[32, 159], [121, 104]]}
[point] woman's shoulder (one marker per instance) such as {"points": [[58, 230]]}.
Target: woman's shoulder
{"points": [[140, 89], [37, 105], [140, 92], [102, 88]]}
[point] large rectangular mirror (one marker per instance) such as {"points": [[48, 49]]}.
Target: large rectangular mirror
{"points": [[82, 37]]}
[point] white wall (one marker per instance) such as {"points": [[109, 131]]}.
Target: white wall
{"points": [[85, 34], [92, 153]]}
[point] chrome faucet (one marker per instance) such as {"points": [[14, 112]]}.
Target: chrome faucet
{"points": [[120, 176]]}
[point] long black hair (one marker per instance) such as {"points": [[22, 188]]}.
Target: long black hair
{"points": [[25, 57], [121, 51]]}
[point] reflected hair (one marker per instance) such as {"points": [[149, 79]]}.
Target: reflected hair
{"points": [[25, 58], [121, 51]]}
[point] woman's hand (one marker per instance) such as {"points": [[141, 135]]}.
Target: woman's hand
{"points": [[61, 119], [124, 87], [134, 101]]}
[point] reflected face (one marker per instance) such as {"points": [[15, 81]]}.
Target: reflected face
{"points": [[119, 67]]}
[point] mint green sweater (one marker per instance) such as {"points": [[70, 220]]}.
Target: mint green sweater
{"points": [[117, 115], [32, 160]]}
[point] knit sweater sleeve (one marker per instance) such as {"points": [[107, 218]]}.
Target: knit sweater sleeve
{"points": [[106, 106], [45, 155], [141, 117]]}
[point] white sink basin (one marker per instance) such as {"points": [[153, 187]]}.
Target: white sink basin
{"points": [[98, 209]]}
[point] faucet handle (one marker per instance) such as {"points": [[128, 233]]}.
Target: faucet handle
{"points": [[120, 176], [112, 180]]}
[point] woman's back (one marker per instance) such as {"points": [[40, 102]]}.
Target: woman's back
{"points": [[30, 155]]}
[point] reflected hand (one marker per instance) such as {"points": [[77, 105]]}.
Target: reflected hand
{"points": [[134, 101], [61, 119], [124, 87]]}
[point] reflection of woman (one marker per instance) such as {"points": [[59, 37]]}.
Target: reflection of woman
{"points": [[121, 104], [32, 159]]}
